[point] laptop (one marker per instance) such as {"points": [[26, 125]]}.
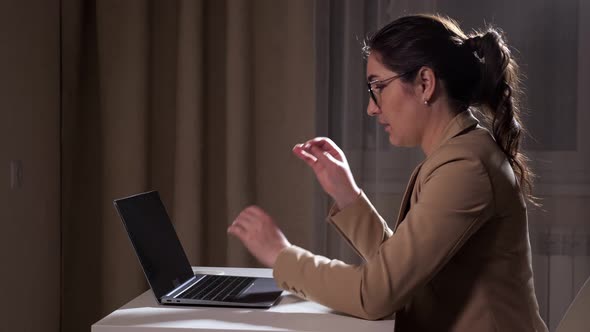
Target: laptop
{"points": [[167, 268]]}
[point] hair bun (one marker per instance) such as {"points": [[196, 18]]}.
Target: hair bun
{"points": [[475, 45]]}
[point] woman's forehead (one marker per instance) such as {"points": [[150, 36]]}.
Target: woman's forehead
{"points": [[376, 69]]}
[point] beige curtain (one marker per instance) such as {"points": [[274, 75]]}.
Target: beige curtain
{"points": [[201, 100]]}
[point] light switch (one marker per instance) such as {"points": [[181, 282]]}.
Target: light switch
{"points": [[16, 174]]}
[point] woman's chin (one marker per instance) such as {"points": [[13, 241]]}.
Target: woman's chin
{"points": [[394, 140], [400, 143]]}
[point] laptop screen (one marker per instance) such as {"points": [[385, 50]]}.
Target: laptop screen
{"points": [[157, 246]]}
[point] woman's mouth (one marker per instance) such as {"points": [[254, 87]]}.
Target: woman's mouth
{"points": [[385, 125]]}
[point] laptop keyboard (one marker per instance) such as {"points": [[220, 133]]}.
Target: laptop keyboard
{"points": [[217, 288]]}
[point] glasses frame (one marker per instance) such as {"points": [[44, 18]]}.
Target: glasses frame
{"points": [[370, 84]]}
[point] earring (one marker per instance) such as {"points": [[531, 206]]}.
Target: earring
{"points": [[425, 102]]}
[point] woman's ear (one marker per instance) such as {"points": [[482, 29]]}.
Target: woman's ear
{"points": [[426, 84]]}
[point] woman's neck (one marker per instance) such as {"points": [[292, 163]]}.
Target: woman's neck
{"points": [[441, 115]]}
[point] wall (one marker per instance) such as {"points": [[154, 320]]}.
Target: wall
{"points": [[29, 140]]}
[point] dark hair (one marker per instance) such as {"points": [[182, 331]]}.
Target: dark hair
{"points": [[476, 71]]}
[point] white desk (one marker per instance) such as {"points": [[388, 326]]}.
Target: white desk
{"points": [[289, 314]]}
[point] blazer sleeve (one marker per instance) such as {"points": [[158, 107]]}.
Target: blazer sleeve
{"points": [[361, 226], [455, 199]]}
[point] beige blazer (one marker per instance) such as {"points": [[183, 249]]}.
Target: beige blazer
{"points": [[459, 258]]}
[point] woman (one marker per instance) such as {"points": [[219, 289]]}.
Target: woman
{"points": [[459, 257]]}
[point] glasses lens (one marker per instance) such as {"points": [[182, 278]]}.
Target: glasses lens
{"points": [[373, 96]]}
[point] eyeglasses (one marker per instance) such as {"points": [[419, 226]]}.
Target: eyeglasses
{"points": [[381, 84]]}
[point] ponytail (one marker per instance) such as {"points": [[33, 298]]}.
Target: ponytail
{"points": [[498, 95]]}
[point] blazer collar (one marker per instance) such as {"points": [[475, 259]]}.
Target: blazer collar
{"points": [[460, 123]]}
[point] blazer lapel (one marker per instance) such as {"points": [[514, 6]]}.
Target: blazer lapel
{"points": [[459, 124], [403, 209]]}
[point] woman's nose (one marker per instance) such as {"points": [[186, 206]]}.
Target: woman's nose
{"points": [[372, 108]]}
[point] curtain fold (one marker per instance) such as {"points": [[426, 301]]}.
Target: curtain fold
{"points": [[240, 186], [122, 43], [189, 140], [174, 96]]}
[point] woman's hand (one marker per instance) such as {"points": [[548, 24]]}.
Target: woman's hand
{"points": [[259, 234], [331, 169]]}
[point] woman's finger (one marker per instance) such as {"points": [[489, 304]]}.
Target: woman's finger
{"points": [[326, 145], [309, 156], [323, 143], [304, 155], [257, 212], [247, 216], [323, 156], [242, 222], [319, 141], [253, 213], [237, 230]]}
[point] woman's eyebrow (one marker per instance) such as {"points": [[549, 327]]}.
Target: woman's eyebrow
{"points": [[371, 78]]}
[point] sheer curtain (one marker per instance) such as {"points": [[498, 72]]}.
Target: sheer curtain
{"points": [[551, 41]]}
